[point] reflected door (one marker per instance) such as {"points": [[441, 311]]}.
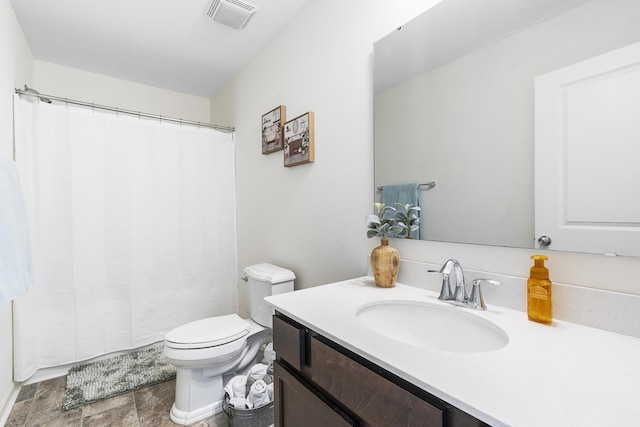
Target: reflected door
{"points": [[587, 154]]}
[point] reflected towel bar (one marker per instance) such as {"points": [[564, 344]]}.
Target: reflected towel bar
{"points": [[429, 185]]}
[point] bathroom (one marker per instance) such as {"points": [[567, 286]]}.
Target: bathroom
{"points": [[316, 212]]}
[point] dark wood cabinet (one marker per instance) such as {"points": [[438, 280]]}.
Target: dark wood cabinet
{"points": [[301, 405], [319, 383]]}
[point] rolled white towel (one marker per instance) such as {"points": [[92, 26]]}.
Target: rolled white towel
{"points": [[239, 386], [259, 395], [256, 372], [238, 402], [236, 387]]}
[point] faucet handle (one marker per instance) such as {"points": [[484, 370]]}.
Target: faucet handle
{"points": [[475, 299], [445, 291], [450, 265]]}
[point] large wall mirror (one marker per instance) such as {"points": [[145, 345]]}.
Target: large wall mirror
{"points": [[454, 104]]}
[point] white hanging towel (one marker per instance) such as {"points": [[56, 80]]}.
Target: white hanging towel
{"points": [[16, 271]]}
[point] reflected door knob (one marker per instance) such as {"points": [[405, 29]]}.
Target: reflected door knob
{"points": [[544, 241]]}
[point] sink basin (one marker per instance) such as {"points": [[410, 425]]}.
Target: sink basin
{"points": [[432, 326]]}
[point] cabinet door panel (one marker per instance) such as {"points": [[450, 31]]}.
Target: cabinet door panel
{"points": [[288, 342], [296, 405], [374, 399]]}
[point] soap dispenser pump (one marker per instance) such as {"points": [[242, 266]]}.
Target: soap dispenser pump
{"points": [[539, 304]]}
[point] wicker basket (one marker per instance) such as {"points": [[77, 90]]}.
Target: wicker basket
{"points": [[257, 417]]}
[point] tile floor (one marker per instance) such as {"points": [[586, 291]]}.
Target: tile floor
{"points": [[39, 405]]}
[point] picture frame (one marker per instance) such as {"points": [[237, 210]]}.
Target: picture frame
{"points": [[299, 140], [272, 130]]}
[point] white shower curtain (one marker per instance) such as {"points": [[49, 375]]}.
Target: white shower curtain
{"points": [[133, 230]]}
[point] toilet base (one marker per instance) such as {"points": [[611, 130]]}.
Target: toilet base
{"points": [[199, 393], [186, 418]]}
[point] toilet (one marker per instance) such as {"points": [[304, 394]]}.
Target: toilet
{"points": [[205, 350]]}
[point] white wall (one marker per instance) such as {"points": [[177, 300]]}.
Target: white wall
{"points": [[311, 218], [72, 83], [16, 64]]}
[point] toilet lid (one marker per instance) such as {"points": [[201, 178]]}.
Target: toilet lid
{"points": [[210, 332]]}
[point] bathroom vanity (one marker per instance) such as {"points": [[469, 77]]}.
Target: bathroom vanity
{"points": [[320, 383], [333, 369]]}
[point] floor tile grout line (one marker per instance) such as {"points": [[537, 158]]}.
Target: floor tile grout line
{"points": [[31, 406], [135, 406]]}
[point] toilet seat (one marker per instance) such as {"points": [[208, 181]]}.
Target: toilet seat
{"points": [[209, 332]]}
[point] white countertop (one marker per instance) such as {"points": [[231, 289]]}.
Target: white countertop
{"points": [[558, 375]]}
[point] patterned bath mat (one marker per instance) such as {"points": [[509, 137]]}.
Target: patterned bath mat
{"points": [[106, 378]]}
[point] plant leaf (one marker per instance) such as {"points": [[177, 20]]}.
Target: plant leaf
{"points": [[373, 219], [372, 233]]}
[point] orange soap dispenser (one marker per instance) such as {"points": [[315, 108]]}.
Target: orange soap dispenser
{"points": [[539, 306]]}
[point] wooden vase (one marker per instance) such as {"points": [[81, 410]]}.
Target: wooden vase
{"points": [[385, 263]]}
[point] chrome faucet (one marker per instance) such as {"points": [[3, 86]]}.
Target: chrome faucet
{"points": [[445, 270], [459, 296]]}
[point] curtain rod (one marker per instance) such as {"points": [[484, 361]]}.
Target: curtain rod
{"points": [[48, 98]]}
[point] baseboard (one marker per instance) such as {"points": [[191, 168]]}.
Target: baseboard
{"points": [[7, 405]]}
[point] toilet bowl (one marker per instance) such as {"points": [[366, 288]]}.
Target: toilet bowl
{"points": [[203, 351]]}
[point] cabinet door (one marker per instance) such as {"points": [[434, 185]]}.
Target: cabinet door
{"points": [[288, 342], [296, 405], [373, 398]]}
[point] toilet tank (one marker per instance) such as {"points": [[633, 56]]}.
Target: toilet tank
{"points": [[264, 280]]}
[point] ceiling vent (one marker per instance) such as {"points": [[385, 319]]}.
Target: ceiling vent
{"points": [[232, 13]]}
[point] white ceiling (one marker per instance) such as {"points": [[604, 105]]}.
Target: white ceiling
{"points": [[169, 44]]}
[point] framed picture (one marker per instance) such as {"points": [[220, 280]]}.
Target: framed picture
{"points": [[272, 129], [298, 140]]}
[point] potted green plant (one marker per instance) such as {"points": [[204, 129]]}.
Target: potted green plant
{"points": [[385, 260]]}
